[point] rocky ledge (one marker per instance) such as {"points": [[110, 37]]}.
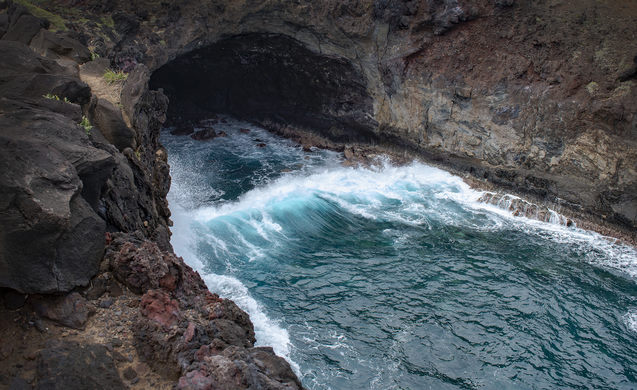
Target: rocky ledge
{"points": [[92, 294]]}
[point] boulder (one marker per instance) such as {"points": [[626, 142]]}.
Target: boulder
{"points": [[25, 74], [24, 29], [204, 135], [59, 46], [52, 240], [108, 119], [70, 310]]}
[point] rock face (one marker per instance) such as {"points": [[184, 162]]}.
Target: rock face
{"points": [[537, 97], [86, 202]]}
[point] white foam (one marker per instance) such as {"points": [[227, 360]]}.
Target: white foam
{"points": [[267, 331], [631, 320]]}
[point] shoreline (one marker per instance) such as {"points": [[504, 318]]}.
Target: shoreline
{"points": [[363, 154]]}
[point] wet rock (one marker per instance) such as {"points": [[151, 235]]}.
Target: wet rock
{"points": [[68, 365], [244, 131], [71, 310], [204, 135], [183, 130], [222, 134], [261, 145]]}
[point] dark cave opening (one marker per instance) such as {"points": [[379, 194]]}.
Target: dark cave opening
{"points": [[269, 78]]}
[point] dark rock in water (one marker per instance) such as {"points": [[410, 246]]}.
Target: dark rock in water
{"points": [[24, 29], [204, 135], [261, 145], [222, 134], [57, 46], [71, 310], [244, 131], [108, 119], [183, 130], [67, 365]]}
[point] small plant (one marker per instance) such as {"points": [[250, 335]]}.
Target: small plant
{"points": [[51, 96], [56, 97], [112, 76], [86, 124], [94, 55]]}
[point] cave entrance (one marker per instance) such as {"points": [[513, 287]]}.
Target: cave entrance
{"points": [[269, 78]]}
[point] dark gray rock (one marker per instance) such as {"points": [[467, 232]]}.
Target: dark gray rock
{"points": [[72, 310], [24, 29], [57, 46], [71, 366], [25, 74], [52, 239], [108, 118]]}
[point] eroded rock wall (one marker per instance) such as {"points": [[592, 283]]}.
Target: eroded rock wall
{"points": [[537, 97]]}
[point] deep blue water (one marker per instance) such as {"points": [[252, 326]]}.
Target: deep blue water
{"points": [[396, 277]]}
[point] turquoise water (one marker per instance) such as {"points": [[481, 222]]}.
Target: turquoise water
{"points": [[396, 277]]}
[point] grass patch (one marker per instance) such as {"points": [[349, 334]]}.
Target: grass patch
{"points": [[57, 22], [86, 124], [112, 76], [56, 97]]}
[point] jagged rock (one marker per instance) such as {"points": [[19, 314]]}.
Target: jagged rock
{"points": [[108, 119], [160, 308], [25, 74], [24, 29], [57, 46], [238, 368], [71, 310], [67, 365]]}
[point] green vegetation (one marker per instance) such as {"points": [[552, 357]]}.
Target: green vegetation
{"points": [[107, 21], [86, 124], [57, 22], [94, 55], [56, 97], [112, 76]]}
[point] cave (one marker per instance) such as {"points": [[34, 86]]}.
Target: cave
{"points": [[269, 78]]}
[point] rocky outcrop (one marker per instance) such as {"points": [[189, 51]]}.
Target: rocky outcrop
{"points": [[536, 97], [85, 239]]}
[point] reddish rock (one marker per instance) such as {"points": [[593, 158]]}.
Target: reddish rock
{"points": [[244, 131], [190, 332], [261, 145], [159, 307]]}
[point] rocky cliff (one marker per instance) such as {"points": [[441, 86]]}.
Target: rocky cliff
{"points": [[537, 98], [93, 296]]}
